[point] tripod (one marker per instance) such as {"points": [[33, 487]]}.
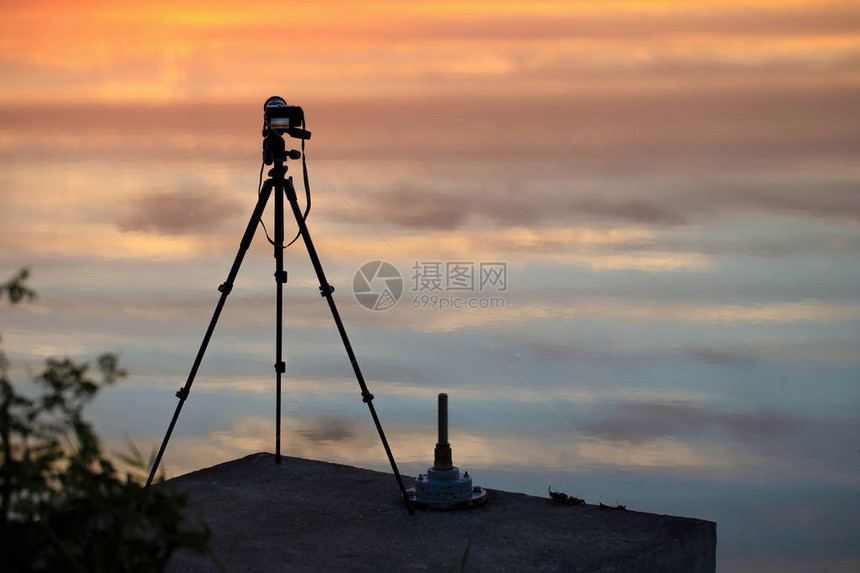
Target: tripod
{"points": [[274, 152]]}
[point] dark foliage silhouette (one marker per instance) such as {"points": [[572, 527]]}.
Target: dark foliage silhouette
{"points": [[64, 505]]}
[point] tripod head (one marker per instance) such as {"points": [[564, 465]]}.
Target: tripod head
{"points": [[279, 119]]}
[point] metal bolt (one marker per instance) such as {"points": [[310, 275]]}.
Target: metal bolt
{"points": [[443, 419], [442, 453], [444, 487]]}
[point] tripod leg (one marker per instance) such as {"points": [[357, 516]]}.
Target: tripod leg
{"points": [[225, 289], [326, 291], [280, 279]]}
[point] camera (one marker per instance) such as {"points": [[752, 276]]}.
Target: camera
{"points": [[279, 119], [283, 118]]}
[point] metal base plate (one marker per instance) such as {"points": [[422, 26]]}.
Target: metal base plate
{"points": [[479, 497]]}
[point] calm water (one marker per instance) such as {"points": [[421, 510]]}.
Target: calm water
{"points": [[668, 241], [682, 344]]}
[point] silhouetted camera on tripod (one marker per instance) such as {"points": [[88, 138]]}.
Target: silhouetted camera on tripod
{"points": [[280, 119]]}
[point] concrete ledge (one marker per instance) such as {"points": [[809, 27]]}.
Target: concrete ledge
{"points": [[303, 515]]}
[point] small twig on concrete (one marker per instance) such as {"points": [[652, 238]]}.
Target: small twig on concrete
{"points": [[563, 498]]}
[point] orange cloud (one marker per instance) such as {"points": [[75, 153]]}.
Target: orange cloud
{"points": [[169, 51]]}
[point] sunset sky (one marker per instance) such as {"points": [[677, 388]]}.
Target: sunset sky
{"points": [[673, 186], [167, 51]]}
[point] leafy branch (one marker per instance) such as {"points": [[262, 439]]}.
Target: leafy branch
{"points": [[63, 504]]}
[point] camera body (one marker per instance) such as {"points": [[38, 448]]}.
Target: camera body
{"points": [[281, 117], [284, 119]]}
